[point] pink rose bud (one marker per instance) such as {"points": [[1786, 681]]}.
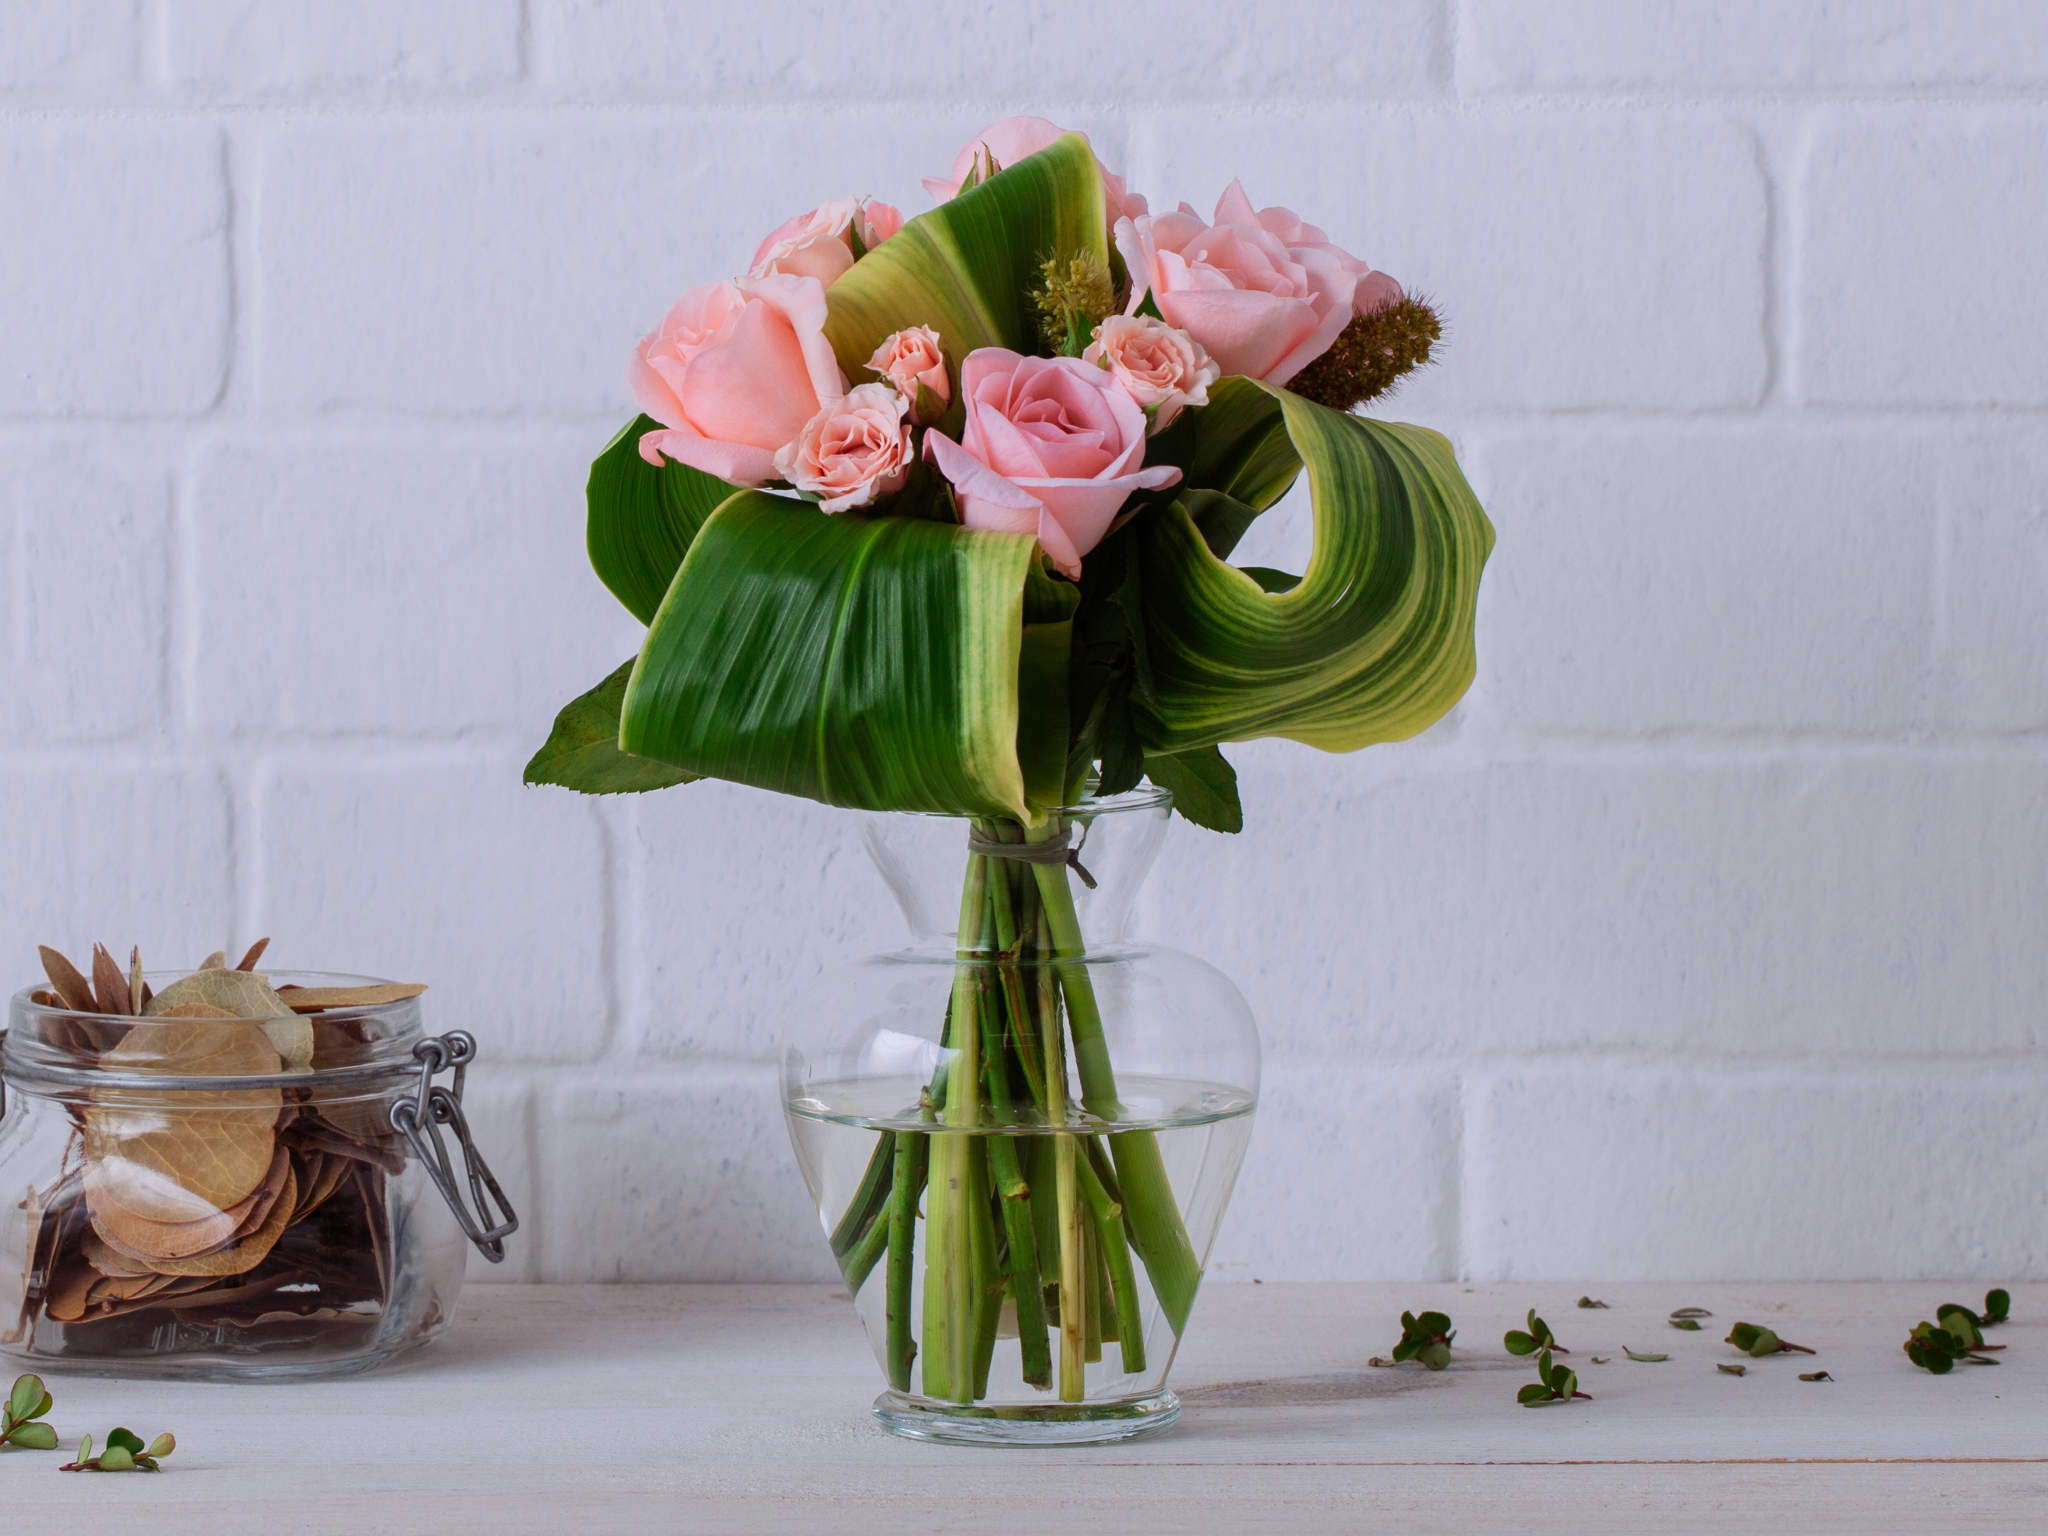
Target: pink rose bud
{"points": [[733, 373], [1263, 292], [854, 450], [1011, 140], [1162, 367], [821, 243], [915, 362], [1053, 447]]}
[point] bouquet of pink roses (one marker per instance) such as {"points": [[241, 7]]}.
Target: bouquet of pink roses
{"points": [[937, 515]]}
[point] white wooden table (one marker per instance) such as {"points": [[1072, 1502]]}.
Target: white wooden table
{"points": [[744, 1408]]}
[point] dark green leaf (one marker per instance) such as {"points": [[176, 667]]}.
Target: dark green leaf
{"points": [[870, 662], [125, 1439], [1687, 1324], [1434, 1322], [1236, 452], [1997, 1305], [1518, 1342], [1534, 1392], [642, 519], [1203, 786], [582, 752], [1587, 1301], [1407, 1349]]}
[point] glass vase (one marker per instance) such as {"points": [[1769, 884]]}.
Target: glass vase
{"points": [[1021, 1131]]}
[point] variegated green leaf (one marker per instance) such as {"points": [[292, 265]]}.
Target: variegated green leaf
{"points": [[1374, 643]]}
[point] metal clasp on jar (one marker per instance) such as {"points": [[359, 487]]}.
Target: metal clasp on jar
{"points": [[421, 1117]]}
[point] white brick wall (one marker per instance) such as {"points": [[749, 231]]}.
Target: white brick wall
{"points": [[1704, 940]]}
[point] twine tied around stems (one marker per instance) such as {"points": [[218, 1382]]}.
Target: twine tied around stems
{"points": [[1051, 851]]}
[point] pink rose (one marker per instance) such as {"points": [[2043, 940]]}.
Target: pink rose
{"points": [[1160, 367], [913, 360], [1011, 140], [734, 372], [1053, 448], [852, 451], [1265, 293], [820, 243]]}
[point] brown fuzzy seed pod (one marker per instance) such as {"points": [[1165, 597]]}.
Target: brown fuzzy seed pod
{"points": [[1369, 354]]}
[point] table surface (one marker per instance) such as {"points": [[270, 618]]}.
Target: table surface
{"points": [[744, 1408]]}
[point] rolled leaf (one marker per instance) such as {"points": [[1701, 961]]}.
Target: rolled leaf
{"points": [[1374, 643], [968, 268], [865, 662], [642, 518]]}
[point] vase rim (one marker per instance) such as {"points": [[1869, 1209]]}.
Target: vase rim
{"points": [[1144, 797]]}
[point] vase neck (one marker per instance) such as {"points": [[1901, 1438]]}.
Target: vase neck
{"points": [[1101, 850]]}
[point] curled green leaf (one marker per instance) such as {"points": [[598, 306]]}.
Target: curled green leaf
{"points": [[1693, 1312], [1587, 1301], [1815, 1376], [1687, 1324], [1645, 1357], [1731, 1370]]}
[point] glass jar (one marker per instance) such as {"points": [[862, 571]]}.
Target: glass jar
{"points": [[1021, 1132], [193, 1206]]}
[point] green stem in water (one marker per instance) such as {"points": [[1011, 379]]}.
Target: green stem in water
{"points": [[907, 1183], [1014, 1195], [951, 1278], [1116, 1260], [1156, 1229]]}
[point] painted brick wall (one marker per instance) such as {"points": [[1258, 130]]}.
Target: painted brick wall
{"points": [[1705, 939]]}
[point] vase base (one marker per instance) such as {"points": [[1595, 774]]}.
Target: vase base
{"points": [[1098, 1423]]}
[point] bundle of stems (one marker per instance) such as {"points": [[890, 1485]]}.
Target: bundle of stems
{"points": [[1016, 1206]]}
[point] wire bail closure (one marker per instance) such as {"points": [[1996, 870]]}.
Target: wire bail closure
{"points": [[421, 1117]]}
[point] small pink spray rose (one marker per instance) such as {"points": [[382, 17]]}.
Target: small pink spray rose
{"points": [[733, 373], [1161, 367], [852, 451], [912, 360], [820, 243], [1011, 140], [1265, 293], [1053, 447]]}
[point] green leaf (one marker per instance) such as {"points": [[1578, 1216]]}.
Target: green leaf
{"points": [[1518, 1342], [1203, 786], [1234, 450], [34, 1437], [162, 1445], [1997, 1305], [1815, 1376], [21, 1402], [1647, 1359], [1587, 1301], [1687, 1324], [117, 1458], [1434, 1322], [1963, 1325], [124, 1439], [866, 662], [1435, 1355], [1374, 643], [642, 518], [1731, 1370], [1534, 1392], [42, 1407], [582, 751], [1408, 1349], [969, 267], [1692, 1312], [84, 1449]]}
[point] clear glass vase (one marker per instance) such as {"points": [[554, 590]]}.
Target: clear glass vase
{"points": [[1021, 1131]]}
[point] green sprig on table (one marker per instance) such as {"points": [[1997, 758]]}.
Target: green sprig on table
{"points": [[125, 1452], [1538, 1336], [1940, 1347], [1553, 1384], [20, 1418], [1757, 1342], [1426, 1337]]}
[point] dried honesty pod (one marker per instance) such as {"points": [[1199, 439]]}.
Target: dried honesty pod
{"points": [[206, 1186]]}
